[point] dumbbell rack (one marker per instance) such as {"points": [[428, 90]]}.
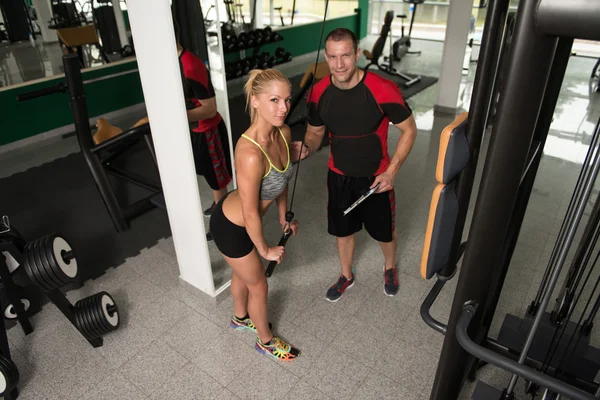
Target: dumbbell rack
{"points": [[92, 327], [255, 45]]}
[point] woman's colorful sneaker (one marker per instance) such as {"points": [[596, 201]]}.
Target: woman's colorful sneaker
{"points": [[277, 349], [243, 324]]}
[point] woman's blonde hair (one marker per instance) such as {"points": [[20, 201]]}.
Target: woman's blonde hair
{"points": [[258, 81]]}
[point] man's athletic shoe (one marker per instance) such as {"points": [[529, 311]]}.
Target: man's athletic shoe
{"points": [[278, 349], [335, 292], [209, 210], [390, 285], [209, 237], [244, 324]]}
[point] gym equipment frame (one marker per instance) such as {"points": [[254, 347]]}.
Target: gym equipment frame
{"points": [[98, 156], [537, 59]]}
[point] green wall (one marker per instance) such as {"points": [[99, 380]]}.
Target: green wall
{"points": [[25, 119], [30, 118], [303, 39]]}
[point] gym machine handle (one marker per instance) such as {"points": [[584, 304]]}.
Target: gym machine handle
{"points": [[433, 295], [282, 242], [532, 375], [58, 88], [426, 306]]}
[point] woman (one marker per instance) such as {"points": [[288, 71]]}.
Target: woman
{"points": [[263, 170]]}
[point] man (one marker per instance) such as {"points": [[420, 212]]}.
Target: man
{"points": [[356, 107], [210, 142]]}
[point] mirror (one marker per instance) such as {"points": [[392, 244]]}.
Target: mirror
{"points": [[36, 33]]}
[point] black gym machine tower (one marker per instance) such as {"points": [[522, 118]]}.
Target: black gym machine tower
{"points": [[531, 78], [99, 157]]}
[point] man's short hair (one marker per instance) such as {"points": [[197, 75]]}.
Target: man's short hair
{"points": [[340, 34]]}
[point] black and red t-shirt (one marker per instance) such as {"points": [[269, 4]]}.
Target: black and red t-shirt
{"points": [[357, 122], [197, 86]]}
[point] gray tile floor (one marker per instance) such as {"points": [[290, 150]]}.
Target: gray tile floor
{"points": [[174, 344]]}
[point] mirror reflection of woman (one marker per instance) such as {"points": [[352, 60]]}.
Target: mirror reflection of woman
{"points": [[263, 171]]}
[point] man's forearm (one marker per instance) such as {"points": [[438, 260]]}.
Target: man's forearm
{"points": [[313, 141], [405, 144], [200, 113]]}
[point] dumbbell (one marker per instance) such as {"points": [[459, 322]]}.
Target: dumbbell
{"points": [[276, 37], [279, 52], [246, 66], [230, 44], [266, 34], [287, 57], [258, 36], [242, 40], [271, 62]]}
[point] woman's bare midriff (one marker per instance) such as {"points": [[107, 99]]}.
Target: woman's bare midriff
{"points": [[232, 208]]}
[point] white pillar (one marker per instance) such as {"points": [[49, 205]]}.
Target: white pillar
{"points": [[258, 17], [457, 30], [272, 12], [152, 29], [44, 14], [120, 23]]}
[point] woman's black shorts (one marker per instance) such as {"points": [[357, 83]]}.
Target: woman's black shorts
{"points": [[232, 240]]}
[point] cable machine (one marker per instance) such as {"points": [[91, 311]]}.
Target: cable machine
{"points": [[537, 58]]}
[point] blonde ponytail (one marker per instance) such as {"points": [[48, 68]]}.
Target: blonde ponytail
{"points": [[258, 82]]}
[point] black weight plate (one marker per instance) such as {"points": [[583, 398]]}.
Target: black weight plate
{"points": [[52, 267], [46, 253], [43, 264], [7, 303], [56, 270], [87, 307], [109, 326], [27, 264], [10, 372], [95, 313], [60, 273], [32, 268], [79, 322], [5, 375], [86, 326], [103, 318]]}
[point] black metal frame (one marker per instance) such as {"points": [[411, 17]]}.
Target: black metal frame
{"points": [[56, 296], [463, 338], [98, 157], [511, 165]]}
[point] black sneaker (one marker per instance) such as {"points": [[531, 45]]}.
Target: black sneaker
{"points": [[209, 210], [390, 286], [209, 237], [335, 292]]}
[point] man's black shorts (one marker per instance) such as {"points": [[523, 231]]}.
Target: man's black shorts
{"points": [[212, 157], [377, 213]]}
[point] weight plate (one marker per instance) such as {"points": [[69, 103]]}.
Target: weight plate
{"points": [[60, 246], [10, 313], [9, 375], [113, 320], [43, 264], [91, 330], [59, 270], [96, 314], [32, 269], [28, 265], [82, 319], [109, 323]]}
